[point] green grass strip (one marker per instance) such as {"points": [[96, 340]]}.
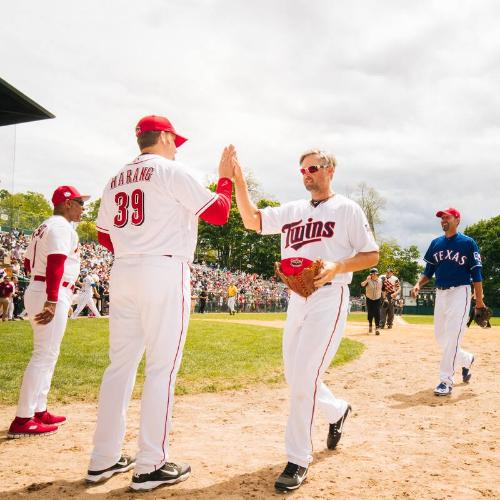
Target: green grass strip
{"points": [[217, 356], [429, 320]]}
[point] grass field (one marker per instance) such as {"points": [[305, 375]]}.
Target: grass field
{"points": [[217, 356]]}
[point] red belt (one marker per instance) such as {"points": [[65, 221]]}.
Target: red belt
{"points": [[65, 284]]}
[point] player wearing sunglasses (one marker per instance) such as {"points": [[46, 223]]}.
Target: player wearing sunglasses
{"points": [[330, 227]]}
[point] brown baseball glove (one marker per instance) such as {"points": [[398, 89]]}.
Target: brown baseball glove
{"points": [[482, 316], [302, 283]]}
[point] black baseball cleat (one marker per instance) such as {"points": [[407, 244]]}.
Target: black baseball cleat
{"points": [[291, 478], [123, 465], [335, 431], [466, 374], [169, 473]]}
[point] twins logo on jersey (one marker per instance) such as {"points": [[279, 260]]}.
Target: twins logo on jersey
{"points": [[298, 234], [452, 255]]}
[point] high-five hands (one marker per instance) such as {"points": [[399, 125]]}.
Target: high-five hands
{"points": [[226, 165]]}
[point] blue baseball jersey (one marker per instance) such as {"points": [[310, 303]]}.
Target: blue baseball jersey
{"points": [[456, 261]]}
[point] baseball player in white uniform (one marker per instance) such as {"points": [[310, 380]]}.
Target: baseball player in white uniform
{"points": [[331, 227], [149, 218], [86, 296], [53, 258]]}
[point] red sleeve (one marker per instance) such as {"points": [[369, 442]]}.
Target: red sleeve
{"points": [[27, 266], [218, 212], [54, 274], [105, 240]]}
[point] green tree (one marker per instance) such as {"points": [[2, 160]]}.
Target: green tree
{"points": [[403, 261], [91, 210], [262, 251], [222, 243], [24, 210], [487, 235], [87, 231], [406, 264]]}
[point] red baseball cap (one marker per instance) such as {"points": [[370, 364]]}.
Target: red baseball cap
{"points": [[157, 124], [63, 193], [449, 211]]}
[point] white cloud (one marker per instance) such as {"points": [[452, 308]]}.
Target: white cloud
{"points": [[405, 94]]}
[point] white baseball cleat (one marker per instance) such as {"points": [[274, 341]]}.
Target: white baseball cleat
{"points": [[443, 389]]}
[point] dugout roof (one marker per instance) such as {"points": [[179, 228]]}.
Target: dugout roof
{"points": [[15, 107]]}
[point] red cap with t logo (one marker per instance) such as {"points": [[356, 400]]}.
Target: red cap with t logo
{"points": [[155, 123], [449, 211]]}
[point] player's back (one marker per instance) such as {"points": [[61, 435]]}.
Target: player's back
{"points": [[55, 235], [149, 208]]}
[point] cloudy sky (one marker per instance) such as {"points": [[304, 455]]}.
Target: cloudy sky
{"points": [[404, 93]]}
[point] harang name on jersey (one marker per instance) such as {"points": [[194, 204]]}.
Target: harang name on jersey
{"points": [[298, 234], [450, 255], [130, 176]]}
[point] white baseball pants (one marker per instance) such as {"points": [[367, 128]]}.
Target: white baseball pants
{"points": [[231, 301], [85, 299], [10, 310], [313, 331], [451, 313], [149, 312], [46, 345]]}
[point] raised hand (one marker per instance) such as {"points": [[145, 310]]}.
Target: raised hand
{"points": [[226, 166]]}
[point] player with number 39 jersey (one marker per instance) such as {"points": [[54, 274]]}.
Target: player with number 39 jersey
{"points": [[151, 207], [149, 218]]}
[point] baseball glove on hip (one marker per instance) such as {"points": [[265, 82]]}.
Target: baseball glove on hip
{"points": [[482, 316], [302, 282]]}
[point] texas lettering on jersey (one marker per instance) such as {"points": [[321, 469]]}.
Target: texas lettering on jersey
{"points": [[299, 234], [450, 255]]}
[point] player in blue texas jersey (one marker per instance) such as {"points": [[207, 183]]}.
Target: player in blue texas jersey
{"points": [[455, 260]]}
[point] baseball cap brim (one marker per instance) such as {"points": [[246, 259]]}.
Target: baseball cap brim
{"points": [[179, 140], [453, 213], [155, 123]]}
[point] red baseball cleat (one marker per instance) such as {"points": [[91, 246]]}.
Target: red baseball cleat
{"points": [[44, 417], [29, 429]]}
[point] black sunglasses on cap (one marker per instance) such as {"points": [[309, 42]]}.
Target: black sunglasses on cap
{"points": [[77, 200]]}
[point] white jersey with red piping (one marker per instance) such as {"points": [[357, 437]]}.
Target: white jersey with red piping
{"points": [[54, 236], [334, 230], [151, 207]]}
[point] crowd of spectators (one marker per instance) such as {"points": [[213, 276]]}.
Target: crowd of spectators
{"points": [[13, 245], [209, 283], [254, 293]]}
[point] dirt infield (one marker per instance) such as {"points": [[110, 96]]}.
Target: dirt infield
{"points": [[400, 441]]}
